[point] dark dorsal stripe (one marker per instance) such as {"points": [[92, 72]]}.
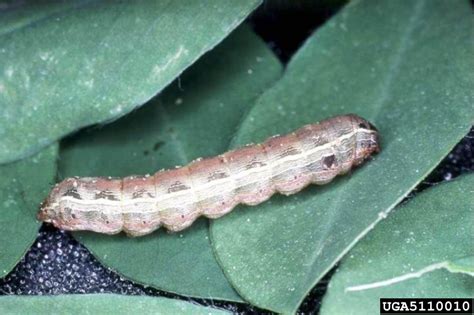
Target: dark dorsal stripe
{"points": [[217, 175], [106, 194], [72, 192], [289, 151], [177, 186], [140, 193], [254, 164]]}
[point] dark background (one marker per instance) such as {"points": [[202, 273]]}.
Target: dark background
{"points": [[57, 264]]}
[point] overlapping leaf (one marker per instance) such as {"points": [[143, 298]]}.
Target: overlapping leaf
{"points": [[405, 66], [194, 117], [420, 250], [23, 185], [100, 304], [67, 65]]}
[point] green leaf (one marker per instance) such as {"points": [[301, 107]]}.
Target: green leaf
{"points": [[410, 253], [100, 304], [194, 117], [23, 185], [462, 265], [404, 65], [65, 66]]}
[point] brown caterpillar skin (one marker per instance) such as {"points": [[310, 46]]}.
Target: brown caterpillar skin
{"points": [[213, 186]]}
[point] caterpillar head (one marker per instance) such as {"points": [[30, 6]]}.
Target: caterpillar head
{"points": [[367, 139], [49, 209]]}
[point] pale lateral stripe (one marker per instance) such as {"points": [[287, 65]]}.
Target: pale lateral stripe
{"points": [[213, 183], [152, 201], [250, 172]]}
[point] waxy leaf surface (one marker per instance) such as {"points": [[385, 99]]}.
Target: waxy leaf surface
{"points": [[195, 117], [424, 249], [406, 66], [23, 186], [65, 65], [100, 304]]}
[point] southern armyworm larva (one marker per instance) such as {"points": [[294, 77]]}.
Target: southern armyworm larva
{"points": [[213, 186]]}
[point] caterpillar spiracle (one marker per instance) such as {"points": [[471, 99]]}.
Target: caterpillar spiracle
{"points": [[212, 187]]}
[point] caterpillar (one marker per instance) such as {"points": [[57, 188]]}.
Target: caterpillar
{"points": [[212, 187]]}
